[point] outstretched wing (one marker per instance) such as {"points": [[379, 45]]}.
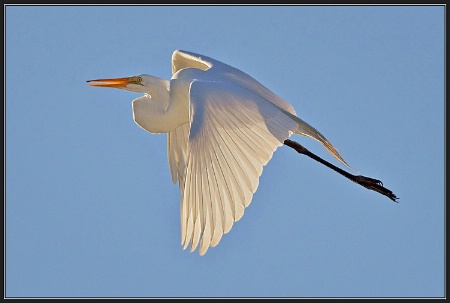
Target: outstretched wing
{"points": [[236, 125], [233, 134], [184, 59]]}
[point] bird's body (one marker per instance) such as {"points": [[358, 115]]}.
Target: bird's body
{"points": [[223, 127]]}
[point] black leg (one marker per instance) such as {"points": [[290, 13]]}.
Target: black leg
{"points": [[369, 183]]}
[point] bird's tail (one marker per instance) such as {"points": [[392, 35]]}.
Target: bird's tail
{"points": [[307, 130]]}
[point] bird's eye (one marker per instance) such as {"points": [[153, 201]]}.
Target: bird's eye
{"points": [[139, 79]]}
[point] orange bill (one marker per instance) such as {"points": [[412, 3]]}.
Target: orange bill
{"points": [[115, 82]]}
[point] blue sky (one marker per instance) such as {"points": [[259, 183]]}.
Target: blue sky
{"points": [[90, 207]]}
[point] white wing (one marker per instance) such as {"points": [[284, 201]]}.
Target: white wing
{"points": [[236, 125], [184, 59], [177, 143], [233, 135]]}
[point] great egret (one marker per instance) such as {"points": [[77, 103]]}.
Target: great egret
{"points": [[223, 127]]}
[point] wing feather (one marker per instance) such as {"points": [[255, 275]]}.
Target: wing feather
{"points": [[177, 142], [228, 186], [233, 134]]}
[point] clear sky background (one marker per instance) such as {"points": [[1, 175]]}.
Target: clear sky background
{"points": [[90, 207]]}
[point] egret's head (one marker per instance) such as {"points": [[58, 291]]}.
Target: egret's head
{"points": [[140, 83]]}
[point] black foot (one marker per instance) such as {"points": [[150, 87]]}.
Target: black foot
{"points": [[374, 184]]}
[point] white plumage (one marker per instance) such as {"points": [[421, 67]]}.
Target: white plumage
{"points": [[223, 127]]}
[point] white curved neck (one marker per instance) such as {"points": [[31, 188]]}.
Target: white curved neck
{"points": [[159, 110]]}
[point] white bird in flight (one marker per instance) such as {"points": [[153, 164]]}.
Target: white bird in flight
{"points": [[222, 127]]}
